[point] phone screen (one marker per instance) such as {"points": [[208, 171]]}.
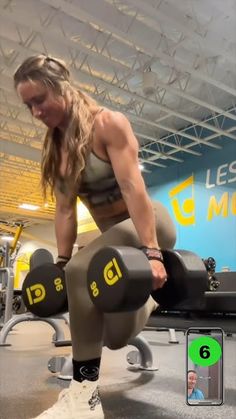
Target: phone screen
{"points": [[204, 366]]}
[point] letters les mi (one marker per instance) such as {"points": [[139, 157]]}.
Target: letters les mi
{"points": [[226, 173]]}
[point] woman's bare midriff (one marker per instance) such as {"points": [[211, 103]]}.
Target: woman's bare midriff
{"points": [[106, 211]]}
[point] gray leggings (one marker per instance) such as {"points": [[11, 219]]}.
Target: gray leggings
{"points": [[90, 329]]}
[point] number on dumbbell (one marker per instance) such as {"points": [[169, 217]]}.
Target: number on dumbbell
{"points": [[58, 284], [94, 289]]}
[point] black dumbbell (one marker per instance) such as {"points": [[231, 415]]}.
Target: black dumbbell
{"points": [[120, 279], [44, 290]]}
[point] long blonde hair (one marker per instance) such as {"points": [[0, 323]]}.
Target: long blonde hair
{"points": [[78, 135]]}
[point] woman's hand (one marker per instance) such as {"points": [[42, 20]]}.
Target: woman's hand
{"points": [[159, 274]]}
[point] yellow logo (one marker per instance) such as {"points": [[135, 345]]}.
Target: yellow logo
{"points": [[36, 293], [112, 272], [184, 212]]}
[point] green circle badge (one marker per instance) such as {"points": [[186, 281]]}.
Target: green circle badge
{"points": [[204, 351]]}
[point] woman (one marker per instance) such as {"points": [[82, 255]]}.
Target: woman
{"points": [[91, 152]]}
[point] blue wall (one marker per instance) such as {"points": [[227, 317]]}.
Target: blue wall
{"points": [[201, 197]]}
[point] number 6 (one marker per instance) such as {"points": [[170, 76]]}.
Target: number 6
{"points": [[204, 352]]}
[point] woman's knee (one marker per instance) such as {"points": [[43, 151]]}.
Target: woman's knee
{"points": [[118, 329], [166, 231], [115, 342]]}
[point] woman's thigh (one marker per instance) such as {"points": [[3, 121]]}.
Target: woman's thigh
{"points": [[125, 233], [119, 327]]}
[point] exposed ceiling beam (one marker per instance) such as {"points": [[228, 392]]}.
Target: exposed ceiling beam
{"points": [[172, 16], [169, 111], [168, 129], [175, 147], [116, 64], [82, 14], [152, 163], [20, 150]]}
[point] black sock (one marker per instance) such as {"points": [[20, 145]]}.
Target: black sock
{"points": [[86, 370]]}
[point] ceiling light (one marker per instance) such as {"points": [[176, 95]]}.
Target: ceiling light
{"points": [[29, 207], [149, 82], [7, 238]]}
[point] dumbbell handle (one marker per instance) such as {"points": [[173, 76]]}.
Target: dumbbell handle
{"points": [[61, 264]]}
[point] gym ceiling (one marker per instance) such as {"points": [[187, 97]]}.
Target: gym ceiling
{"points": [[168, 65]]}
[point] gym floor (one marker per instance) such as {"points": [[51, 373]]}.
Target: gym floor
{"points": [[27, 387]]}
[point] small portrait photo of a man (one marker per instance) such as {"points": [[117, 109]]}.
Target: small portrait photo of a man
{"points": [[194, 393]]}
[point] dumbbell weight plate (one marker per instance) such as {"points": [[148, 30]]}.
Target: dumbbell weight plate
{"points": [[187, 280], [44, 290], [119, 279]]}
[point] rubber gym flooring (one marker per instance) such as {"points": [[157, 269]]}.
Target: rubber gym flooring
{"points": [[27, 387]]}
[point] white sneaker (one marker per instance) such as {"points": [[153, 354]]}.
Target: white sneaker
{"points": [[79, 401]]}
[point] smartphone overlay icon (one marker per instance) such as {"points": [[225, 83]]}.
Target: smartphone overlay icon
{"points": [[204, 366]]}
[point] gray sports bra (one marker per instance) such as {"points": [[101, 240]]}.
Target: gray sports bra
{"points": [[99, 185]]}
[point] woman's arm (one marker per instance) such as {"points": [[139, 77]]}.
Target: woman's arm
{"points": [[65, 220], [122, 149]]}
